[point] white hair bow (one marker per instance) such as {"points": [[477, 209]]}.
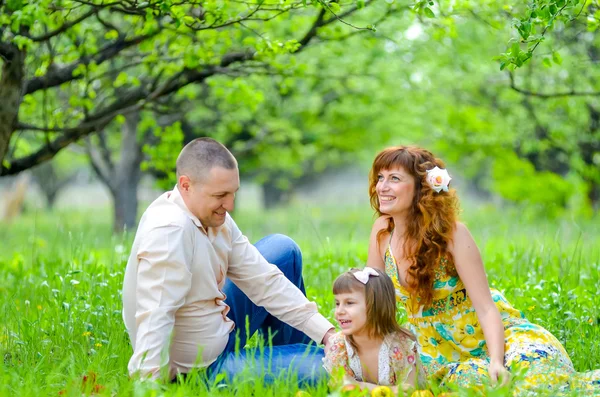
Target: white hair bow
{"points": [[363, 275]]}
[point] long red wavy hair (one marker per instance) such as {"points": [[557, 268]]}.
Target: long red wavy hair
{"points": [[431, 220]]}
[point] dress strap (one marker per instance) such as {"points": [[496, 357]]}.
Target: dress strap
{"points": [[393, 258], [390, 246]]}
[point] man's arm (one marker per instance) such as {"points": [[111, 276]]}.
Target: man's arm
{"points": [[266, 286], [163, 281]]}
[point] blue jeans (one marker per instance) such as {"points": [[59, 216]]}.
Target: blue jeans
{"points": [[285, 349]]}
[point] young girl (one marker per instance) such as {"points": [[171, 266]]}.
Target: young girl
{"points": [[371, 348]]}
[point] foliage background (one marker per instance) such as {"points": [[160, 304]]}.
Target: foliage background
{"points": [[507, 93]]}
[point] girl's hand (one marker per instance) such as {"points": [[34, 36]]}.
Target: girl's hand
{"points": [[498, 373], [348, 380]]}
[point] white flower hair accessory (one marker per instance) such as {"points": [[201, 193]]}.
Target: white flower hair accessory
{"points": [[438, 179], [363, 275]]}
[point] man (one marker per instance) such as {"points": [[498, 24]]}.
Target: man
{"points": [[192, 277]]}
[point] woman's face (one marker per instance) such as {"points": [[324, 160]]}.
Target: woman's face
{"points": [[395, 190]]}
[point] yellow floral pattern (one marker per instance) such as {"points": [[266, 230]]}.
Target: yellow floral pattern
{"points": [[453, 348]]}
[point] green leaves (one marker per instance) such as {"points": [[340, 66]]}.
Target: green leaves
{"points": [[556, 57], [536, 22], [515, 58], [428, 13], [423, 7]]}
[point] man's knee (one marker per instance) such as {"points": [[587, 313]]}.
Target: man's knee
{"points": [[286, 243], [282, 251]]}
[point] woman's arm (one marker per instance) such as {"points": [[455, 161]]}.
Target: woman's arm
{"points": [[469, 266], [377, 250]]}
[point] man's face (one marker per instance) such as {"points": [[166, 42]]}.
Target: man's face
{"points": [[212, 197]]}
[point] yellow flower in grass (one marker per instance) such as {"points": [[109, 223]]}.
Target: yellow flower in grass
{"points": [[39, 307], [98, 345], [382, 391], [86, 333]]}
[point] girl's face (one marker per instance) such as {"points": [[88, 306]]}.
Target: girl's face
{"points": [[395, 190], [351, 312]]}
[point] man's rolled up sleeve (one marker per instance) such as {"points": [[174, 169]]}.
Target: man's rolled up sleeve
{"points": [[268, 287]]}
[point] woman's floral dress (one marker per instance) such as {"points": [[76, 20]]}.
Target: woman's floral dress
{"points": [[453, 348], [398, 357]]}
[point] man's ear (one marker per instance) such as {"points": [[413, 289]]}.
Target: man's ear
{"points": [[184, 183]]}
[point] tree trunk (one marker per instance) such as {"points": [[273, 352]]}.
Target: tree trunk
{"points": [[49, 182], [128, 175], [11, 85], [274, 196], [125, 206], [594, 196]]}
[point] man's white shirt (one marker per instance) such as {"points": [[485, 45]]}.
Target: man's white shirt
{"points": [[173, 300]]}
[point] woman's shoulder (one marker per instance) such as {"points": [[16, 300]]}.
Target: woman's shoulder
{"points": [[460, 235], [380, 224]]}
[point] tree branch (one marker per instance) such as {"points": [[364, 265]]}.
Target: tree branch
{"points": [[312, 32], [99, 166], [6, 51], [105, 152], [321, 21], [340, 17], [108, 25], [65, 27], [64, 74], [129, 101], [549, 95]]}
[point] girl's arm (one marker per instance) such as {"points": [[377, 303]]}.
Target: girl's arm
{"points": [[377, 250], [469, 266]]}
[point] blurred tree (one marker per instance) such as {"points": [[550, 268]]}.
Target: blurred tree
{"points": [[526, 133], [106, 59], [52, 179], [120, 172]]}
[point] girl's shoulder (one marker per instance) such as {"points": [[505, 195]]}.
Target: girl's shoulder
{"points": [[404, 341], [336, 351], [404, 357], [336, 355], [337, 341]]}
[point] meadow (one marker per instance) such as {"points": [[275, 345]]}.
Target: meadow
{"points": [[61, 276]]}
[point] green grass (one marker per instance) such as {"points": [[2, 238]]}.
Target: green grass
{"points": [[61, 275]]}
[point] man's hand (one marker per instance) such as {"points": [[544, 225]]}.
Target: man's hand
{"points": [[328, 335]]}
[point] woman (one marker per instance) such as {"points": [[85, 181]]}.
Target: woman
{"points": [[465, 330]]}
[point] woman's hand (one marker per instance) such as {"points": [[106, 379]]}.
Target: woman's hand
{"points": [[498, 373]]}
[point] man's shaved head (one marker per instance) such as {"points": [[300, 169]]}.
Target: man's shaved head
{"points": [[200, 156]]}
